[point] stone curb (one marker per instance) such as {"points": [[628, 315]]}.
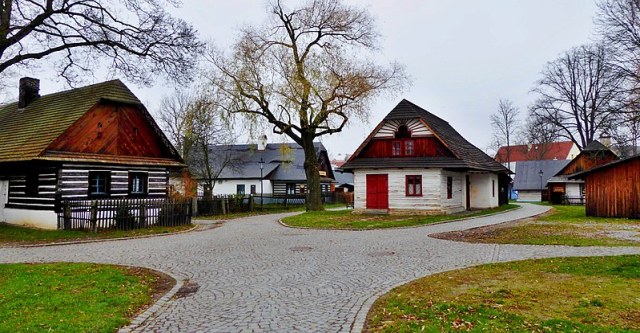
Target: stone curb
{"points": [[407, 227], [86, 241], [157, 306]]}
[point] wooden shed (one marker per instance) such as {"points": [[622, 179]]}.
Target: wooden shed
{"points": [[613, 190]]}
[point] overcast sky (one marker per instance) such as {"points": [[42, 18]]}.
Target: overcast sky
{"points": [[463, 56]]}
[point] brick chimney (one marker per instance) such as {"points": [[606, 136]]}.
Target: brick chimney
{"points": [[29, 91]]}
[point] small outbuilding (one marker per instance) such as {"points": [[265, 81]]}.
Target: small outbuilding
{"points": [[563, 190], [613, 189]]}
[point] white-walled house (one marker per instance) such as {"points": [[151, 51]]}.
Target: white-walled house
{"points": [[282, 169], [414, 162]]}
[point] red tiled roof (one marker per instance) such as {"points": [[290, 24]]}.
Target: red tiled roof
{"points": [[549, 151]]}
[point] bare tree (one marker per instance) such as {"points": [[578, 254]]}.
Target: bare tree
{"points": [[194, 124], [581, 93], [536, 136], [138, 37], [618, 22], [304, 72], [505, 124]]}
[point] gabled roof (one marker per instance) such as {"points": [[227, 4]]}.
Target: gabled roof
{"points": [[550, 151], [528, 173], [282, 161], [598, 154], [467, 156], [26, 133], [583, 174]]}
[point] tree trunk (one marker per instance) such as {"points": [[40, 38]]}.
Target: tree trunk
{"points": [[314, 194]]}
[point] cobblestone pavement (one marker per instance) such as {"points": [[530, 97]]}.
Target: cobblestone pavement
{"points": [[258, 276]]}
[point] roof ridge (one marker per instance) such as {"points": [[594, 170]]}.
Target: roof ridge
{"points": [[73, 90]]}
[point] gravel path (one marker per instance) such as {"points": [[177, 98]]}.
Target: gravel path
{"points": [[255, 275]]}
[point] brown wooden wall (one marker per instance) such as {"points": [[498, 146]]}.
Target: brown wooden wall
{"points": [[586, 161], [615, 191], [423, 147], [112, 129]]}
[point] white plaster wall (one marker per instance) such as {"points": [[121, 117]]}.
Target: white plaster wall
{"points": [[434, 190], [44, 219], [4, 196], [573, 152], [484, 190], [529, 196], [229, 186], [458, 196], [573, 190]]}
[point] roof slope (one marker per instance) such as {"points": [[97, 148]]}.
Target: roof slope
{"points": [[552, 151], [467, 155], [282, 161], [528, 173], [26, 133]]}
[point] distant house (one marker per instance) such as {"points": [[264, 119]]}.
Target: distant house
{"points": [[564, 150], [415, 162], [344, 180], [562, 189], [613, 189], [97, 141], [531, 179], [282, 169]]}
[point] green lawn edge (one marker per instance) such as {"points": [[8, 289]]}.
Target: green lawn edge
{"points": [[575, 294], [347, 220], [74, 297]]}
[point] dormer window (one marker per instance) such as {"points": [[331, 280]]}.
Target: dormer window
{"points": [[403, 132]]}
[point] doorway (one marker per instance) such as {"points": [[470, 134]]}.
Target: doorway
{"points": [[378, 191]]}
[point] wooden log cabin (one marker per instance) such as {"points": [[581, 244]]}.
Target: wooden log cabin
{"points": [[613, 189], [415, 162], [562, 190], [97, 141]]}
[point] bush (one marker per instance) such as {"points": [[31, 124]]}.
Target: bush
{"points": [[124, 219]]}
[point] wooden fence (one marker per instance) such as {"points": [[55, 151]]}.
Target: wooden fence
{"points": [[123, 214], [229, 204]]}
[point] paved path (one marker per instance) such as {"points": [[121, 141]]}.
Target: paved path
{"points": [[256, 275]]}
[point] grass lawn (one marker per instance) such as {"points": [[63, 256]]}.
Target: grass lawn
{"points": [[345, 219], [565, 225], [595, 294], [13, 235], [66, 297], [268, 209]]}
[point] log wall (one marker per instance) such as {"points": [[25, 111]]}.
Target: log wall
{"points": [[614, 191]]}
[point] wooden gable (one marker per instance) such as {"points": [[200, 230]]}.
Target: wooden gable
{"points": [[426, 144], [117, 129], [588, 160]]}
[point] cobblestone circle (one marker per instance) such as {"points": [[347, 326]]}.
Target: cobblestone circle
{"points": [[255, 275]]}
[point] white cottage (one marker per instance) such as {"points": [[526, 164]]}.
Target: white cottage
{"points": [[415, 162]]}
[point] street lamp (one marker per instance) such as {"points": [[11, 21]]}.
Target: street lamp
{"points": [[540, 173], [261, 181]]}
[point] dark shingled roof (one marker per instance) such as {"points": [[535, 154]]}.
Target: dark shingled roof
{"points": [[283, 161], [467, 155], [26, 133], [528, 173]]}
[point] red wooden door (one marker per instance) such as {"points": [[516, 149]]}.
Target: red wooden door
{"points": [[377, 192]]}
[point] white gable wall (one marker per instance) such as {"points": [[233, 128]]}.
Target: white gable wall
{"points": [[229, 187], [484, 190]]}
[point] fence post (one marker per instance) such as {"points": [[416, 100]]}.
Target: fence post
{"points": [[194, 206], [94, 216], [251, 203], [67, 215], [143, 215], [223, 202]]}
